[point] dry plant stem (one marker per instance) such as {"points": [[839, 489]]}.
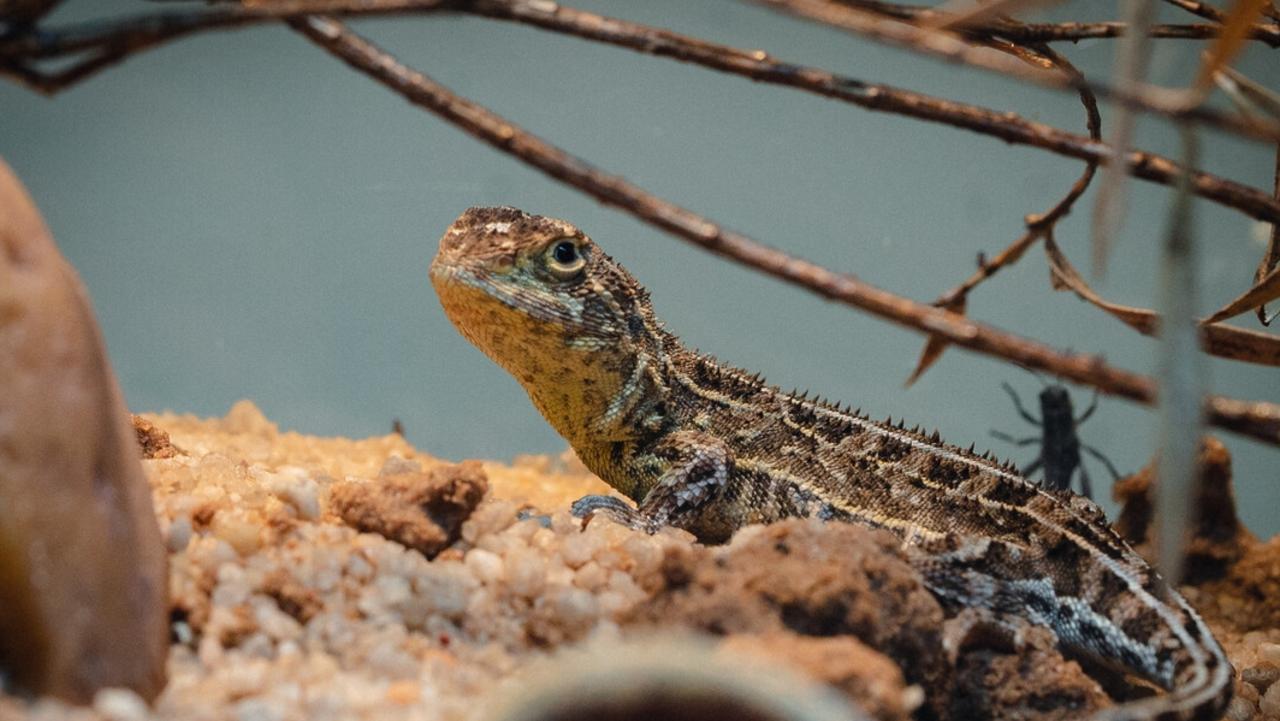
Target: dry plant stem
{"points": [[955, 48], [1037, 225], [1075, 32], [1270, 259], [1133, 57], [1181, 375], [1052, 32], [1257, 419], [107, 42], [148, 31], [757, 65]]}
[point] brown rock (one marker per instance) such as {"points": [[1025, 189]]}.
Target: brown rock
{"points": [[867, 677], [1246, 597], [1218, 539], [153, 440], [82, 565], [421, 510], [1031, 681], [813, 579]]}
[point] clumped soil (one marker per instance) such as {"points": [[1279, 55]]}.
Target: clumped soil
{"points": [[325, 578]]}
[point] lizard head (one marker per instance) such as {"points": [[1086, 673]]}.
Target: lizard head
{"points": [[537, 296]]}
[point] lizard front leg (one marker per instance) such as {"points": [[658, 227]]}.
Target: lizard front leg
{"points": [[699, 470]]}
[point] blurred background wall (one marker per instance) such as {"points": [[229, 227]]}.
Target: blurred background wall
{"points": [[254, 220]]}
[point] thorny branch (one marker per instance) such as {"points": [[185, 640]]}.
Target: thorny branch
{"points": [[956, 299], [114, 41], [1256, 419]]}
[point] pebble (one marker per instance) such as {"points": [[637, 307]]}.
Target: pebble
{"points": [[1270, 703], [528, 572], [486, 565], [403, 693], [1261, 676], [575, 606], [300, 492], [120, 704], [577, 549], [245, 537], [1269, 653], [591, 577], [323, 622], [1240, 710], [257, 709], [180, 532]]}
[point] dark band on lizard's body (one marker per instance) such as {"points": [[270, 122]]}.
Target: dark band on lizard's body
{"points": [[709, 448]]}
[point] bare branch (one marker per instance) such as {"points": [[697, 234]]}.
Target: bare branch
{"points": [[955, 48], [1009, 127], [1053, 32], [956, 300], [1224, 341], [108, 42], [124, 37], [1037, 225], [1257, 419]]}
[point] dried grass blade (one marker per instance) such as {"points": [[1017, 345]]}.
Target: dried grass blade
{"points": [[1265, 289], [1063, 275], [1243, 90], [1180, 376], [1131, 68], [1271, 259], [1223, 341], [962, 13], [1236, 27]]}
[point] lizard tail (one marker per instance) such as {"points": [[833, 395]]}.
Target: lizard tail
{"points": [[1199, 686]]}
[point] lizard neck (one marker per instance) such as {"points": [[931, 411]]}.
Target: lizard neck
{"points": [[597, 382]]}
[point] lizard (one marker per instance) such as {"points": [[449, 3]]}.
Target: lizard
{"points": [[708, 448]]}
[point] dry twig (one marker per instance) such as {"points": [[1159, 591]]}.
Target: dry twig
{"points": [[114, 41], [1256, 419], [955, 48], [956, 299]]}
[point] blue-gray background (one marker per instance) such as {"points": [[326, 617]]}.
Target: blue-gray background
{"points": [[254, 220]]}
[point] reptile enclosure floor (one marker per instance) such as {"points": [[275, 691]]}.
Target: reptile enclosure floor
{"points": [[325, 578]]}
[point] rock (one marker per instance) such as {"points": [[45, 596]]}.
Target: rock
{"points": [[812, 579], [1262, 676], [842, 662], [82, 564], [1270, 703], [154, 441], [1218, 539], [421, 510], [1030, 681]]}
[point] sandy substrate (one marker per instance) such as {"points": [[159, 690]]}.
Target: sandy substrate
{"points": [[321, 578]]}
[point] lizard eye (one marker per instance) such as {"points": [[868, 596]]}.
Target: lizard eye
{"points": [[565, 259]]}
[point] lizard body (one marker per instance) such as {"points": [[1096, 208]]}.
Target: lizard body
{"points": [[709, 448]]}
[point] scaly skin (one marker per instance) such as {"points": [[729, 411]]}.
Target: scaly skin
{"points": [[709, 448]]}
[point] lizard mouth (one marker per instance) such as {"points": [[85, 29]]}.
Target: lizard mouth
{"points": [[465, 292]]}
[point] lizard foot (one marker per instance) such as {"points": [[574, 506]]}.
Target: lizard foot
{"points": [[613, 508]]}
